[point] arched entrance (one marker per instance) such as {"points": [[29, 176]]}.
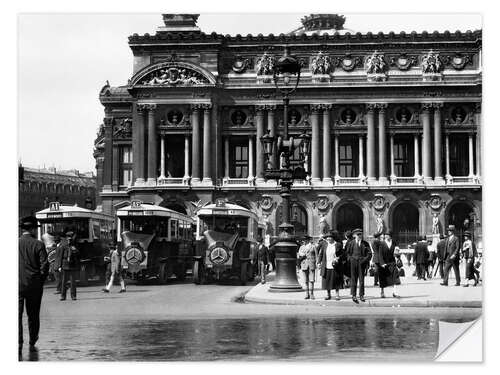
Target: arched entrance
{"points": [[459, 215], [349, 216], [405, 224]]}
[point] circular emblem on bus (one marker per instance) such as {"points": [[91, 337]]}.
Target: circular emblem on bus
{"points": [[218, 255], [133, 256]]}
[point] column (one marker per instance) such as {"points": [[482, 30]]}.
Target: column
{"points": [[138, 141], [447, 152], [162, 156], [391, 145], [207, 155], [438, 173], [426, 143], [477, 121], [226, 156], [471, 155], [336, 151], [315, 144], [382, 152], [108, 153], [272, 131], [116, 169], [361, 157], [327, 145], [195, 147], [416, 155], [152, 146], [186, 158], [260, 157], [370, 142], [250, 159]]}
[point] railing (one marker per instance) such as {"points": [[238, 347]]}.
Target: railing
{"points": [[172, 181], [406, 180], [237, 182], [463, 180], [349, 181]]}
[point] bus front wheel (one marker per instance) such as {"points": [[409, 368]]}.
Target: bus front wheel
{"points": [[162, 274], [198, 273], [243, 273]]}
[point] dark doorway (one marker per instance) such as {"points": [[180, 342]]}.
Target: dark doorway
{"points": [[349, 217], [459, 215], [405, 224], [174, 156]]}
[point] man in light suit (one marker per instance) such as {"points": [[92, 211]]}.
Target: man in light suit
{"points": [[307, 256], [451, 256]]}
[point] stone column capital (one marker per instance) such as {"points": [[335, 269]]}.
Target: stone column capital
{"points": [[381, 107], [315, 108], [426, 107], [141, 108], [327, 107], [108, 121], [477, 108], [196, 107], [370, 107], [437, 105], [270, 107], [206, 107], [150, 107], [260, 108]]}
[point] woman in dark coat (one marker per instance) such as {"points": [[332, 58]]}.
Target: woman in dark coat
{"points": [[385, 262], [332, 274]]}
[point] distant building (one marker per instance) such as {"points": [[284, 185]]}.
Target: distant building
{"points": [[42, 186], [395, 120]]}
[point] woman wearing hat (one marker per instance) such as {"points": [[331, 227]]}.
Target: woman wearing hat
{"points": [[331, 265], [385, 261], [469, 252]]}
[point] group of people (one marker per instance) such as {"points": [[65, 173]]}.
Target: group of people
{"points": [[344, 262]]}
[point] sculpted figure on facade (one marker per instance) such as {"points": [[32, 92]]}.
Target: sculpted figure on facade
{"points": [[435, 223], [265, 65], [375, 64], [380, 223], [431, 64], [174, 76], [321, 64], [323, 225]]}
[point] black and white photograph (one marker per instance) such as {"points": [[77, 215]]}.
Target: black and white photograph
{"points": [[263, 187]]}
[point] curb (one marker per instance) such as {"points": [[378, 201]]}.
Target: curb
{"points": [[368, 303]]}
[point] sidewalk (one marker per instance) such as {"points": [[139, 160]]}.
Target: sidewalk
{"points": [[413, 293]]}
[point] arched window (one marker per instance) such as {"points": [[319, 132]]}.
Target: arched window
{"points": [[349, 217], [405, 224], [459, 215]]}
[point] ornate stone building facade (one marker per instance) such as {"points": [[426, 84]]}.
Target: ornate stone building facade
{"points": [[395, 121], [42, 186]]}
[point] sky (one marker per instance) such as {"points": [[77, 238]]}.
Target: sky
{"points": [[65, 59]]}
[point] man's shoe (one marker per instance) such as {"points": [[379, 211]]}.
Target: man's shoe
{"points": [[33, 349], [362, 298], [457, 284], [307, 297], [444, 284], [105, 290], [394, 295], [62, 299], [312, 296], [382, 295], [122, 291], [355, 300], [328, 297], [337, 298], [73, 298], [57, 292]]}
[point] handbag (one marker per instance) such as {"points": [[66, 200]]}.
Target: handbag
{"points": [[401, 272], [371, 271]]}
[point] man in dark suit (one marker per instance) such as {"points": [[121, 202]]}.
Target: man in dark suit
{"points": [[68, 265], [359, 255], [261, 259], [421, 257], [440, 250], [451, 256], [33, 270]]}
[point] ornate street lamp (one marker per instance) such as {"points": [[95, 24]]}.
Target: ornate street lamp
{"points": [[286, 78]]}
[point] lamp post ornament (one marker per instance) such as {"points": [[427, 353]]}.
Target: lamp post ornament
{"points": [[286, 78]]}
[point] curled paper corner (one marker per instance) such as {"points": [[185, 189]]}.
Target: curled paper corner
{"points": [[450, 334]]}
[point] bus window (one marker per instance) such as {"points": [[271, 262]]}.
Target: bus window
{"points": [[96, 231], [173, 229]]}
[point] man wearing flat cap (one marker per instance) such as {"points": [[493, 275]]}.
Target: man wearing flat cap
{"points": [[359, 255], [451, 256], [69, 264], [33, 270]]}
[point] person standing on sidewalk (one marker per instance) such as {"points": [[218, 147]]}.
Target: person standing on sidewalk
{"points": [[331, 265], [307, 256], [376, 243], [421, 257], [470, 255], [261, 259], [69, 265], [33, 271], [440, 252], [359, 256], [451, 257], [116, 270], [385, 262]]}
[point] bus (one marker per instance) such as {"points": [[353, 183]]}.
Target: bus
{"points": [[226, 237], [155, 242], [93, 231]]}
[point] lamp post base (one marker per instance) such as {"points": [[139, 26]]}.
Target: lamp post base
{"points": [[286, 265]]}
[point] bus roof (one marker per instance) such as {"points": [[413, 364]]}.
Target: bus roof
{"points": [[147, 209], [226, 209], [66, 212]]}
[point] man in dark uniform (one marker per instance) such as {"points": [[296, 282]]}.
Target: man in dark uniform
{"points": [[451, 256], [376, 243], [261, 259], [69, 265], [359, 255], [33, 270]]}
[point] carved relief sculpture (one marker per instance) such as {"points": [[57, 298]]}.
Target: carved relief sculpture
{"points": [[321, 67], [435, 223], [265, 65], [431, 67], [174, 76], [380, 222], [376, 67], [323, 225]]}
